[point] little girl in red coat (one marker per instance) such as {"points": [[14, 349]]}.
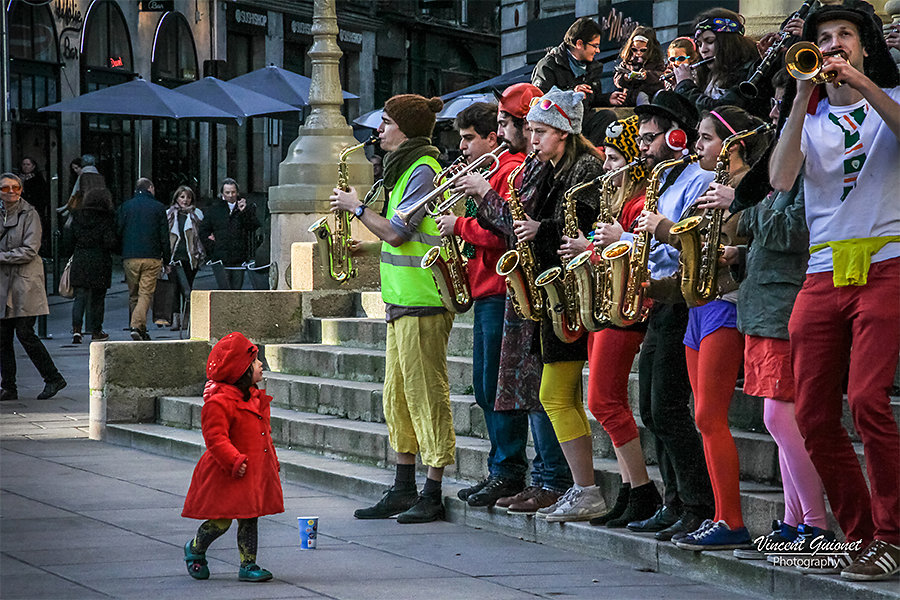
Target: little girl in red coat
{"points": [[237, 477]]}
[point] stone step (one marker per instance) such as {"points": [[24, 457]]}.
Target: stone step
{"points": [[640, 550], [367, 443], [353, 363], [362, 401]]}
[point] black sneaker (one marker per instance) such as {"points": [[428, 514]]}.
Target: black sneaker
{"points": [[496, 488], [428, 508], [8, 395], [464, 493], [52, 388], [392, 503], [76, 337], [618, 508], [689, 523]]}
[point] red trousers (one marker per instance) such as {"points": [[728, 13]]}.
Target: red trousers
{"points": [[825, 323], [611, 353]]}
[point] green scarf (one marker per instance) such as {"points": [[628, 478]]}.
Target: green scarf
{"points": [[397, 162]]}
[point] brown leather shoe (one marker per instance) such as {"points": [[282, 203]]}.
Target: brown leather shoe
{"points": [[525, 494], [542, 498]]}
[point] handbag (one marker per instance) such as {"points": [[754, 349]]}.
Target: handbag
{"points": [[164, 301], [65, 281]]}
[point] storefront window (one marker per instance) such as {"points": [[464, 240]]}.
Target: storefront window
{"points": [[176, 150]]}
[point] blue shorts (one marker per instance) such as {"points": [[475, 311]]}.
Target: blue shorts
{"points": [[703, 320]]}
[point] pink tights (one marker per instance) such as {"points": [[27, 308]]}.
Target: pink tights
{"points": [[804, 500]]}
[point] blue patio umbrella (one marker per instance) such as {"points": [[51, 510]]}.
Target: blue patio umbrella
{"points": [[280, 84], [140, 99], [235, 99]]}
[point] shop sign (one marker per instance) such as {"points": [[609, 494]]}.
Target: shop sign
{"points": [[69, 15], [250, 18], [157, 5], [350, 37], [116, 62]]}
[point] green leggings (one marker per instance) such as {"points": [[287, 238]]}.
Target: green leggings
{"points": [[210, 530]]}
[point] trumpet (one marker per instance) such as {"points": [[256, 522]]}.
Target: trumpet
{"points": [[671, 74], [487, 164], [748, 88], [804, 62]]}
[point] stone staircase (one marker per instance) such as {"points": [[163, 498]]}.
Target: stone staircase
{"points": [[328, 423]]}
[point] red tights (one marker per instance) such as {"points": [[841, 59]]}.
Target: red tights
{"points": [[713, 371]]}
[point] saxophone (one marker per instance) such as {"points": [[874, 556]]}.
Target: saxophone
{"points": [[518, 265], [334, 247], [559, 284], [449, 274], [627, 284], [701, 235], [593, 280]]}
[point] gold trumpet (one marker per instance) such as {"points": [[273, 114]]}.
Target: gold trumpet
{"points": [[804, 61], [432, 202]]}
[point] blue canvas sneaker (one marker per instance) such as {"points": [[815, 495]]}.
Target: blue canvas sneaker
{"points": [[717, 537], [782, 535]]}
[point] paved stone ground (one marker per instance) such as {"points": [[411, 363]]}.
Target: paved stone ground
{"points": [[83, 519]]}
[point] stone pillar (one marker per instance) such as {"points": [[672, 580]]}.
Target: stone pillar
{"points": [[763, 16], [309, 172], [892, 8]]}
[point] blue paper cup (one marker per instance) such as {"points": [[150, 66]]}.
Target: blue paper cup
{"points": [[309, 531]]}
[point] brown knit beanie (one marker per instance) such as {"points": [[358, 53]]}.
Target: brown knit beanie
{"points": [[414, 114]]}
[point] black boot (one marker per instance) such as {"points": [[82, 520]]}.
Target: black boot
{"points": [[429, 507], [394, 502], [643, 502], [618, 508]]}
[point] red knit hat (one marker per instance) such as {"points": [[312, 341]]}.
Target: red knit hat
{"points": [[516, 99], [230, 358]]}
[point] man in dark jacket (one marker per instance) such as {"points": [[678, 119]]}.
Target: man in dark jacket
{"points": [[227, 232], [571, 66], [144, 233]]}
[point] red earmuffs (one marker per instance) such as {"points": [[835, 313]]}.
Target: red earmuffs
{"points": [[676, 139]]}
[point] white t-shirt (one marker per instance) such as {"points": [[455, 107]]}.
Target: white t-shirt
{"points": [[851, 178]]}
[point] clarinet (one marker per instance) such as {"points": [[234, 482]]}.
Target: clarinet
{"points": [[763, 70]]}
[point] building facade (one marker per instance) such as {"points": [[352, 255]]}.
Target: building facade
{"points": [[60, 49]]}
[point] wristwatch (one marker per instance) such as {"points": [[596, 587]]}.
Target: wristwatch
{"points": [[359, 211]]}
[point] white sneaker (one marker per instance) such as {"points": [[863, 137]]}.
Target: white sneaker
{"points": [[543, 512], [583, 505]]}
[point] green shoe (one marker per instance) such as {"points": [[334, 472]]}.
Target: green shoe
{"points": [[196, 562], [254, 573]]}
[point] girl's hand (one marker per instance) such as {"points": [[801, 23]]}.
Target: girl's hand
{"points": [[648, 221], [526, 230], [683, 73], [572, 247], [717, 196], [242, 470], [608, 233], [617, 98]]}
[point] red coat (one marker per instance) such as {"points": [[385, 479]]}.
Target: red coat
{"points": [[235, 431]]}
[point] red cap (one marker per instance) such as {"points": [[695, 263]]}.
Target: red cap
{"points": [[230, 358], [516, 99]]}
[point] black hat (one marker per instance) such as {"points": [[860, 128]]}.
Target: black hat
{"points": [[671, 105], [878, 66]]}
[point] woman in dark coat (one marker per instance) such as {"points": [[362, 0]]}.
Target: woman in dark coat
{"points": [[93, 237]]}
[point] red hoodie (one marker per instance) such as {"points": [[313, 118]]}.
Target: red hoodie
{"points": [[482, 267]]}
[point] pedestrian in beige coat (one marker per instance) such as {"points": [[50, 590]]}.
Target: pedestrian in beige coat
{"points": [[22, 291]]}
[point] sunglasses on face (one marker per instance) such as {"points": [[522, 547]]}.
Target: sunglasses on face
{"points": [[677, 59], [639, 50], [6, 189], [547, 104]]}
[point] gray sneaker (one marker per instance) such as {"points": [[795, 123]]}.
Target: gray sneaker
{"points": [[543, 512], [583, 505]]}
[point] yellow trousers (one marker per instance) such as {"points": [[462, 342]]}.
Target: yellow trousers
{"points": [[416, 391], [561, 398]]}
